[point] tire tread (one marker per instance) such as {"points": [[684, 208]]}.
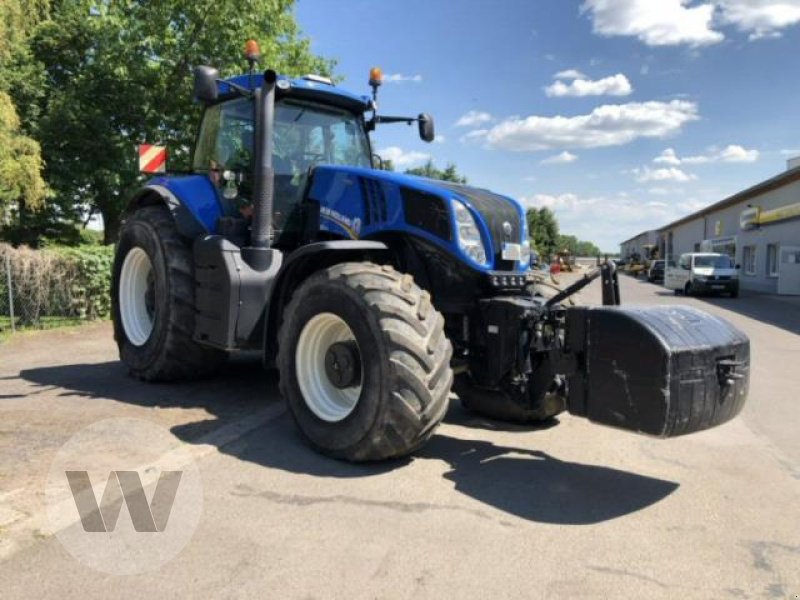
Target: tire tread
{"points": [[419, 358]]}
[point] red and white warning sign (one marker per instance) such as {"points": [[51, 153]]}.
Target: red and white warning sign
{"points": [[152, 159]]}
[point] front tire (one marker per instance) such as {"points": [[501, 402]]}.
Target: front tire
{"points": [[364, 362], [153, 301]]}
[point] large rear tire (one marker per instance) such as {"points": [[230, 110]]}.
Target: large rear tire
{"points": [[153, 301], [364, 362]]}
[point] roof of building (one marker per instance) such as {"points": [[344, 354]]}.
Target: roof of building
{"points": [[780, 180], [638, 235]]}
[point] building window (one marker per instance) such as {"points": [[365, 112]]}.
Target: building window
{"points": [[749, 260], [772, 260]]}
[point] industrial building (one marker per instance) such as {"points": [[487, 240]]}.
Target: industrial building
{"points": [[640, 245], [759, 227]]}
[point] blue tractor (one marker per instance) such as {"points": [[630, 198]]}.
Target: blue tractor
{"points": [[376, 294]]}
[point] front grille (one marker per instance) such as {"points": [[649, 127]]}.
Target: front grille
{"points": [[426, 211], [495, 210], [375, 210]]}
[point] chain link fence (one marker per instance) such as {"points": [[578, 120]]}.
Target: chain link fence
{"points": [[40, 289]]}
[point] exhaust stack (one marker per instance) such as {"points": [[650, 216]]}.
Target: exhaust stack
{"points": [[257, 254]]}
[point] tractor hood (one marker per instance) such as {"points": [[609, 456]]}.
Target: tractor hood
{"points": [[366, 202]]}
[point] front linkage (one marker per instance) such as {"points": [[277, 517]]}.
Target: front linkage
{"points": [[658, 370]]}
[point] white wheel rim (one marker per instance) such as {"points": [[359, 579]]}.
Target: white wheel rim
{"points": [[323, 398], [137, 320]]}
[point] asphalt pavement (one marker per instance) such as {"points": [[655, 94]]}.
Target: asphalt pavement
{"points": [[485, 510]]}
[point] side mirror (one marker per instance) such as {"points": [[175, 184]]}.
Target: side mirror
{"points": [[205, 84], [377, 161], [738, 266], [426, 132]]}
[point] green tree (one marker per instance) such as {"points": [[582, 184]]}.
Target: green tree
{"points": [[567, 243], [21, 182], [543, 230], [20, 163], [119, 73], [585, 248], [430, 171], [577, 247]]}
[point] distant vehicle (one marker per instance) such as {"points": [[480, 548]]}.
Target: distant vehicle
{"points": [[656, 272], [703, 273]]}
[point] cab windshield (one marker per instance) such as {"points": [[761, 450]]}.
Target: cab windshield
{"points": [[716, 262], [305, 135]]}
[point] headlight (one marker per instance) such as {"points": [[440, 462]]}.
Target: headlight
{"points": [[468, 234], [701, 278]]}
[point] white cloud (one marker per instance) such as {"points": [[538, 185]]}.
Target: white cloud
{"points": [[667, 157], [472, 118], [663, 174], [569, 74], [760, 18], [400, 78], [607, 220], [655, 22], [560, 159], [475, 134], [607, 125], [733, 153], [401, 158], [659, 191], [615, 85], [439, 139]]}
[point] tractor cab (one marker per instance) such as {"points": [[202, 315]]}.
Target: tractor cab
{"points": [[308, 131], [314, 123]]}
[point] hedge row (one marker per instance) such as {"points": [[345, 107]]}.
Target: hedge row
{"points": [[56, 282]]}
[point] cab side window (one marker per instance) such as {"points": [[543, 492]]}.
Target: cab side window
{"points": [[226, 138]]}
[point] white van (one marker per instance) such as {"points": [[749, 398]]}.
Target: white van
{"points": [[703, 273]]}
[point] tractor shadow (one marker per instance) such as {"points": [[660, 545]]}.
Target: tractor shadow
{"points": [[536, 486], [529, 484]]}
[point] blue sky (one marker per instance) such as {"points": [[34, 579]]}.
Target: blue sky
{"points": [[620, 115]]}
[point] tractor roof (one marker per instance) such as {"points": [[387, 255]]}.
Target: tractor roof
{"points": [[309, 88]]}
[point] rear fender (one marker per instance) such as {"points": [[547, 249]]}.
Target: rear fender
{"points": [[192, 201], [299, 266]]}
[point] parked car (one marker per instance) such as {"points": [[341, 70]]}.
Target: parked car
{"points": [[656, 272], [703, 273]]}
